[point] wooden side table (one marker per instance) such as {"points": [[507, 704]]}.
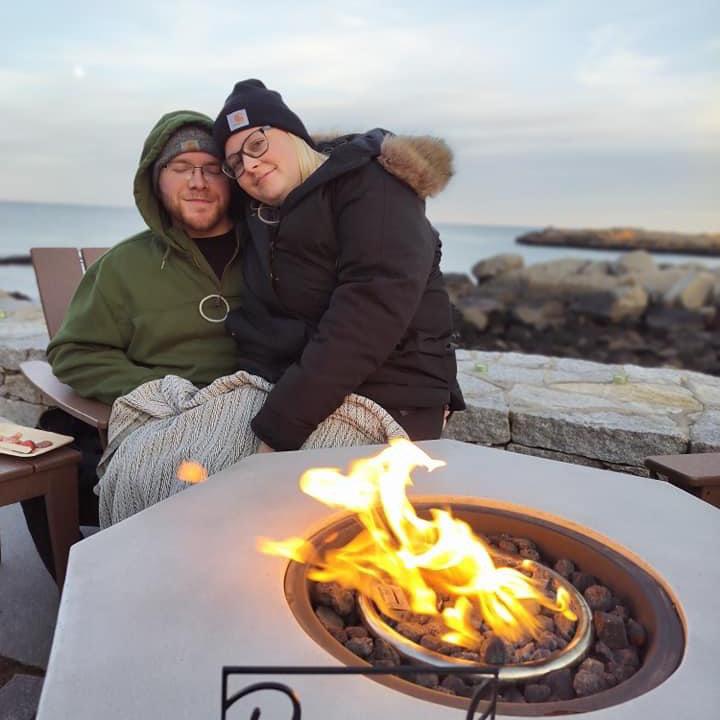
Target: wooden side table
{"points": [[54, 476], [698, 473]]}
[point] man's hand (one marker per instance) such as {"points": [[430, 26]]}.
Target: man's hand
{"points": [[264, 448]]}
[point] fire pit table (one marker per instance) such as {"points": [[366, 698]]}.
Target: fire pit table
{"points": [[154, 607]]}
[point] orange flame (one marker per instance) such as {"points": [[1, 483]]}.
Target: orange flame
{"points": [[191, 472], [425, 558]]}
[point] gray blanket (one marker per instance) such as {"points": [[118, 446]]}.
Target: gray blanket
{"points": [[163, 422]]}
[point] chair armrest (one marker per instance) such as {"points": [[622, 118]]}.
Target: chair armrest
{"points": [[92, 412]]}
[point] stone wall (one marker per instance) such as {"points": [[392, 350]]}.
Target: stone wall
{"points": [[22, 337], [609, 416]]}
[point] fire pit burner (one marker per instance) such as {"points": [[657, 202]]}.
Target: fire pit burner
{"points": [[642, 591], [570, 655]]}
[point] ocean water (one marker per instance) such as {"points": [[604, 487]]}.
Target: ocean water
{"points": [[27, 225]]}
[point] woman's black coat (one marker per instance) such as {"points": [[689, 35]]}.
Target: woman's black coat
{"points": [[344, 293]]}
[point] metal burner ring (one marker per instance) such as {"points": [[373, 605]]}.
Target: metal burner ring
{"points": [[573, 652]]}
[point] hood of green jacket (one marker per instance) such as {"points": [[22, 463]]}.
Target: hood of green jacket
{"points": [[146, 200]]}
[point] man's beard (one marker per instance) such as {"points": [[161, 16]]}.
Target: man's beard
{"points": [[194, 222]]}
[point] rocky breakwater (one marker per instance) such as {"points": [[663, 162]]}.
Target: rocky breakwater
{"points": [[630, 310], [627, 239]]}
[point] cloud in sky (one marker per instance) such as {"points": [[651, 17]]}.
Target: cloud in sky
{"points": [[535, 96]]}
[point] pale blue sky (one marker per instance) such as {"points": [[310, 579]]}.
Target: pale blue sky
{"points": [[565, 112]]}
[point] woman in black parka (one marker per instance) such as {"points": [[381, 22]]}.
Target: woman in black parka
{"points": [[343, 291]]}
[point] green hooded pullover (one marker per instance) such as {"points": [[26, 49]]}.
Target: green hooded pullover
{"points": [[135, 315]]}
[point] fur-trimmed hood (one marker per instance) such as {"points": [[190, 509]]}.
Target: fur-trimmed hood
{"points": [[423, 162]]}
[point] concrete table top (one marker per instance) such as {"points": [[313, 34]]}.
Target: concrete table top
{"points": [[155, 606]]}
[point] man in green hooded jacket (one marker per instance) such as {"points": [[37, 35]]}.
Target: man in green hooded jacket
{"points": [[155, 303]]}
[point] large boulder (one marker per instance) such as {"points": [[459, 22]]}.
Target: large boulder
{"points": [[715, 296], [554, 272], [638, 261], [497, 265], [658, 282], [540, 315], [457, 285], [690, 292], [619, 303], [478, 310]]}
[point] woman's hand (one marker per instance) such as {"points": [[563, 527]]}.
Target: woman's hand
{"points": [[264, 448]]}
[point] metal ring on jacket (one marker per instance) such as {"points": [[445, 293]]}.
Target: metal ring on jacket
{"points": [[208, 318]]}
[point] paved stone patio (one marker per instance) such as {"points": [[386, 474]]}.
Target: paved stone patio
{"points": [[28, 610]]}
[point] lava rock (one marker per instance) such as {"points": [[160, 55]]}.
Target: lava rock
{"points": [[591, 665], [524, 543], [435, 626], [524, 653], [530, 553], [628, 657], [535, 692], [603, 652], [412, 631], [541, 654], [332, 595], [454, 685], [468, 655], [493, 650], [582, 581], [340, 635], [357, 631], [541, 577], [564, 567], [610, 679], [362, 646], [621, 672], [547, 622], [428, 680], [512, 695], [636, 633], [332, 622], [508, 547], [611, 630], [433, 642], [586, 683], [598, 597], [548, 641], [564, 626], [561, 683], [384, 652]]}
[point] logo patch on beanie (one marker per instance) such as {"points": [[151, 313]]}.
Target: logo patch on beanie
{"points": [[190, 146], [238, 119]]}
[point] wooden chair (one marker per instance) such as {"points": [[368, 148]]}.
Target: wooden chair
{"points": [[58, 272], [698, 473], [54, 476]]}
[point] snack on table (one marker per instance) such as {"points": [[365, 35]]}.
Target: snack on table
{"points": [[7, 441]]}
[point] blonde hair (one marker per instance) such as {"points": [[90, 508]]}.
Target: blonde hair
{"points": [[309, 160]]}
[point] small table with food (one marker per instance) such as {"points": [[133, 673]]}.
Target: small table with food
{"points": [[33, 463]]}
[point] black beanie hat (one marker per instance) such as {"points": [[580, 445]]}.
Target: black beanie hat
{"points": [[251, 104]]}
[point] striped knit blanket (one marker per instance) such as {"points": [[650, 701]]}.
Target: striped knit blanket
{"points": [[163, 422]]}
